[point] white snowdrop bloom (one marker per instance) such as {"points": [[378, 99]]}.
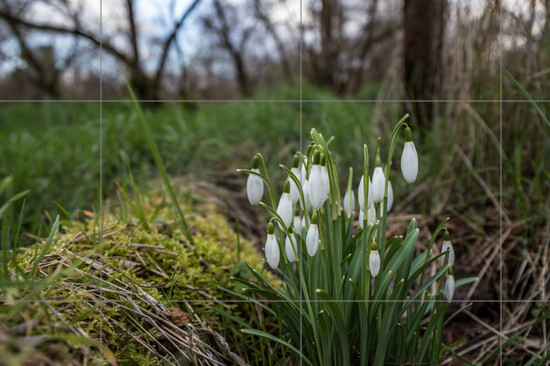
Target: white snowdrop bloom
{"points": [[326, 182], [312, 239], [361, 218], [272, 251], [303, 172], [290, 246], [409, 159], [450, 287], [317, 192], [371, 215], [349, 203], [374, 260], [284, 209], [448, 246], [254, 188], [303, 223], [361, 194], [305, 188], [390, 196], [294, 191], [378, 184], [297, 224]]}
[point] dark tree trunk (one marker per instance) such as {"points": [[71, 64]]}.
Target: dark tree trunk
{"points": [[423, 46]]}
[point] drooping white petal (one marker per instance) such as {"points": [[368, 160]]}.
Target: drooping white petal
{"points": [[361, 218], [349, 203], [305, 188], [390, 196], [254, 188], [303, 172], [289, 249], [378, 185], [361, 194], [312, 239], [450, 287], [303, 223], [374, 263], [317, 192], [409, 162], [297, 225], [447, 245], [326, 183], [272, 251], [284, 209], [294, 191], [371, 216]]}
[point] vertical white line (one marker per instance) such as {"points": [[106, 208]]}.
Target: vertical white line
{"points": [[500, 182], [100, 176]]}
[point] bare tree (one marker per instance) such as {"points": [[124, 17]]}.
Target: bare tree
{"points": [[423, 54], [145, 85]]}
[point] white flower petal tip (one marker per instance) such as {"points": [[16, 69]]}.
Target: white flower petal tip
{"points": [[297, 225], [378, 185], [254, 188], [317, 190], [361, 194], [284, 209], [289, 249], [374, 263], [371, 216], [450, 288], [448, 246], [294, 191], [306, 196], [409, 162], [349, 203], [361, 218], [390, 196], [272, 251], [312, 239]]}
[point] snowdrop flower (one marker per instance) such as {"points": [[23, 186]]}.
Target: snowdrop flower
{"points": [[255, 184], [390, 196], [297, 222], [349, 203], [448, 246], [305, 188], [409, 159], [378, 184], [361, 194], [271, 248], [450, 286], [284, 209], [317, 192], [371, 215], [303, 170], [294, 191], [290, 247], [312, 237], [361, 219], [374, 260], [324, 170]]}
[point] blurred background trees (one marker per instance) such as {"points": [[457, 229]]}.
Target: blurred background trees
{"points": [[222, 49]]}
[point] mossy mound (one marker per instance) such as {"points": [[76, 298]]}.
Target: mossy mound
{"points": [[153, 295]]}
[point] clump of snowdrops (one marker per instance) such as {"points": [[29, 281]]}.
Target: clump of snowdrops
{"points": [[350, 295]]}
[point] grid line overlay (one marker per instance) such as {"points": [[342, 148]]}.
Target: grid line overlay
{"points": [[501, 101]]}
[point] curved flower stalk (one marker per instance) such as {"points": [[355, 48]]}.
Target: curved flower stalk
{"points": [[448, 246], [374, 260], [284, 209], [290, 246], [312, 237], [271, 247], [254, 184], [317, 190], [409, 158], [294, 191], [450, 286]]}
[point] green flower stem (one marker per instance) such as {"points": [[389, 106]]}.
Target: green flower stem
{"points": [[268, 181]]}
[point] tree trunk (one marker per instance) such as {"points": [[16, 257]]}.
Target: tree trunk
{"points": [[423, 61]]}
